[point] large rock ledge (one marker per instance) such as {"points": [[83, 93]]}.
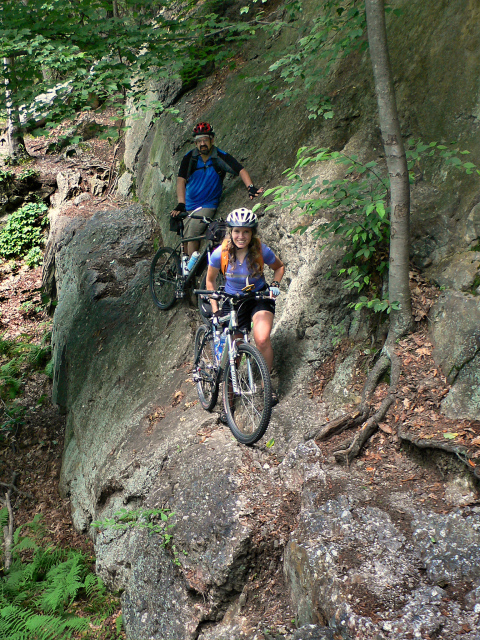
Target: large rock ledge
{"points": [[136, 438]]}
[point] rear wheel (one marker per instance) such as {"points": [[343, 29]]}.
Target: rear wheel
{"points": [[163, 277], [248, 413], [204, 306], [205, 374]]}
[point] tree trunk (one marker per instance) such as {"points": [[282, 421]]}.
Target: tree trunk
{"points": [[398, 284], [15, 142]]}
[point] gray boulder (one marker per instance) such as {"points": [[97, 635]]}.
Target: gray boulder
{"points": [[348, 557], [313, 632], [455, 333]]}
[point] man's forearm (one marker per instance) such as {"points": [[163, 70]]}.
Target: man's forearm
{"points": [[244, 175], [181, 189]]}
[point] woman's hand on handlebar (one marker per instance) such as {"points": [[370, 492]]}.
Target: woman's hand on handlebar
{"points": [[274, 289]]}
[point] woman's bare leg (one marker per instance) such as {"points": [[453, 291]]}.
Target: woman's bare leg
{"points": [[262, 328]]}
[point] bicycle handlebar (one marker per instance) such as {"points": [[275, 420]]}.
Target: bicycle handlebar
{"points": [[218, 295], [182, 216]]}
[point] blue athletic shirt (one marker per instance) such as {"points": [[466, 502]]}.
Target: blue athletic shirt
{"points": [[236, 276], [204, 186]]}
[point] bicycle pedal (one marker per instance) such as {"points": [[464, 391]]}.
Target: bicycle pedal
{"points": [[179, 294]]}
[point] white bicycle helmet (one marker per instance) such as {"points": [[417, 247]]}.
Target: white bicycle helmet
{"points": [[242, 218]]}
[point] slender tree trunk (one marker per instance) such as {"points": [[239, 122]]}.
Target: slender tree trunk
{"points": [[398, 284], [15, 143]]}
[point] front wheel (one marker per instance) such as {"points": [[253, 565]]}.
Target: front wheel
{"points": [[164, 271], [248, 413], [206, 370]]}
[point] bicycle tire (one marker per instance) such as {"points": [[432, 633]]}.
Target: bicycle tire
{"points": [[164, 270], [248, 414], [204, 306], [208, 383]]}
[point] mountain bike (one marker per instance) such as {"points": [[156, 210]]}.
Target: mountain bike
{"points": [[247, 389], [169, 278]]}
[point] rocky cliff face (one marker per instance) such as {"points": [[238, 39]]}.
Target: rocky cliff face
{"points": [[352, 558]]}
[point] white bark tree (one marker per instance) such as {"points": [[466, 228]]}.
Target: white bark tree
{"points": [[15, 145]]}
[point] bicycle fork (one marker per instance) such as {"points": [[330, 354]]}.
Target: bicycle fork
{"points": [[251, 382], [232, 356]]}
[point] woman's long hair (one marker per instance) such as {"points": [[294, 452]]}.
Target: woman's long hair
{"points": [[253, 254]]}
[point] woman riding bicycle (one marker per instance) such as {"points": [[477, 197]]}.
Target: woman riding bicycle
{"points": [[241, 257]]}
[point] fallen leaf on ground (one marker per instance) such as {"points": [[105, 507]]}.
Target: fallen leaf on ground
{"points": [[385, 428]]}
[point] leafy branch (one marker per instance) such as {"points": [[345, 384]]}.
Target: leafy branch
{"points": [[352, 211], [68, 56]]}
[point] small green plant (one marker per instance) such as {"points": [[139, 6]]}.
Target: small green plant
{"points": [[333, 33], [339, 332], [23, 230], [34, 257], [359, 213], [28, 174], [156, 521], [18, 357], [6, 176], [39, 592], [62, 142]]}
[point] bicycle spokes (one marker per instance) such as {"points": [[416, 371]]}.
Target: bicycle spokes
{"points": [[205, 374], [248, 411]]}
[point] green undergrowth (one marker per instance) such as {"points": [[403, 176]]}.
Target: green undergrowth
{"points": [[352, 210], [50, 593], [23, 234], [19, 358]]}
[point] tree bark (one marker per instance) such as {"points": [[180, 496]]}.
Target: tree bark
{"points": [[401, 320], [398, 284], [15, 142]]}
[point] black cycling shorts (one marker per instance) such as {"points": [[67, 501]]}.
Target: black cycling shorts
{"points": [[249, 308]]}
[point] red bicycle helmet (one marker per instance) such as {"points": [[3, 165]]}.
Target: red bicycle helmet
{"points": [[203, 129]]}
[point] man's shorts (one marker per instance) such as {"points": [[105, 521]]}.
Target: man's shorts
{"points": [[193, 227], [248, 309]]}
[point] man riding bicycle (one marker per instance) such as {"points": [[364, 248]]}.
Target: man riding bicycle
{"points": [[200, 181]]}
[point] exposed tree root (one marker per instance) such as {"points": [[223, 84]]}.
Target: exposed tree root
{"points": [[459, 451], [346, 455], [349, 450], [335, 426]]}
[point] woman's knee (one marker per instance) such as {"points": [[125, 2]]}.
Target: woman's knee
{"points": [[262, 339]]}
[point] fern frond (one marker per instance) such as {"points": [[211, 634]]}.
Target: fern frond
{"points": [[21, 624], [94, 585], [36, 525], [25, 543], [63, 582], [37, 355], [3, 517]]}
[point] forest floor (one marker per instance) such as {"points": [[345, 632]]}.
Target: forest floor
{"points": [[33, 450]]}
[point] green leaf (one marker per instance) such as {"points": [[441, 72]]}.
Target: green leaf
{"points": [[450, 436]]}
